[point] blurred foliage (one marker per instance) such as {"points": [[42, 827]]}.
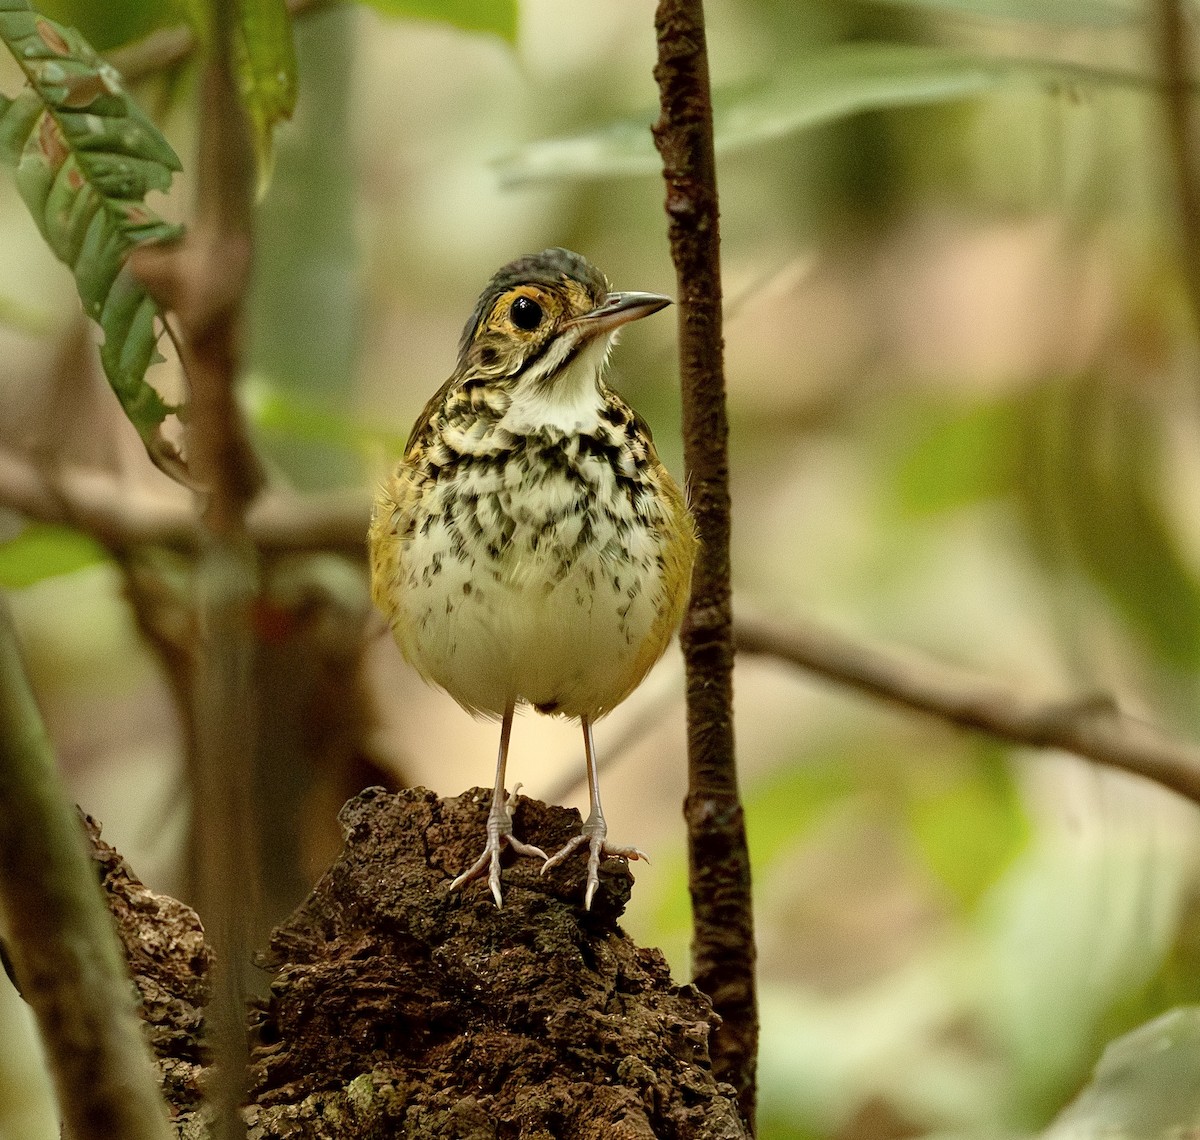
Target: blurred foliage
{"points": [[17, 315], [818, 88], [957, 456], [306, 276], [106, 26], [268, 74], [45, 551], [1063, 13], [970, 828], [1093, 463], [962, 383], [496, 16], [286, 414], [1144, 1087]]}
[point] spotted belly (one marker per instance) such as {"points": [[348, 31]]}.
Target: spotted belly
{"points": [[550, 592]]}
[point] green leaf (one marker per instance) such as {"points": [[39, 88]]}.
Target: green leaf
{"points": [[815, 90], [268, 74], [958, 457], [44, 551], [1060, 13], [1071, 931], [85, 157], [496, 16], [1145, 1086]]}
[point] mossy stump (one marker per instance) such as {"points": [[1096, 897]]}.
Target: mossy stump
{"points": [[398, 1008]]}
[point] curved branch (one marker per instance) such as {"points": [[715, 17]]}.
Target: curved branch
{"points": [[1092, 727], [102, 505]]}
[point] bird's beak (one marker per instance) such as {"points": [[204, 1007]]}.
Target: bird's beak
{"points": [[619, 309]]}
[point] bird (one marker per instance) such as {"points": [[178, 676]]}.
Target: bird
{"points": [[530, 548]]}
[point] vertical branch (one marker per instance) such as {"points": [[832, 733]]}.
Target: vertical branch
{"points": [[225, 707], [213, 297], [204, 283], [64, 948], [1175, 58], [723, 951]]}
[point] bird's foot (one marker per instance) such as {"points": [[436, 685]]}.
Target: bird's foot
{"points": [[595, 834], [499, 832]]}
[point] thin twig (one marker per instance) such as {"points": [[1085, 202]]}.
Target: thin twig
{"points": [[123, 517], [227, 576], [64, 949], [1175, 57], [723, 949], [1091, 727]]}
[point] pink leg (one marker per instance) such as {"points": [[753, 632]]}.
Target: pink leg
{"points": [[594, 831], [499, 824]]}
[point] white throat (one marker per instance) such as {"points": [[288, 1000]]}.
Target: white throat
{"points": [[571, 402]]}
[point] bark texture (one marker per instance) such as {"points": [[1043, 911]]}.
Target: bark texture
{"points": [[400, 1009], [723, 949], [62, 952], [169, 963]]}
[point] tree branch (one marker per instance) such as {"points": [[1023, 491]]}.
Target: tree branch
{"points": [[123, 517], [63, 945], [723, 949], [1175, 59], [203, 282], [1090, 727], [226, 710]]}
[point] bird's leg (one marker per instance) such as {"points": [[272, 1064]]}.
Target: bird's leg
{"points": [[594, 831], [499, 824]]}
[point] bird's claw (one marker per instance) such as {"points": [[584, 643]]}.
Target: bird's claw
{"points": [[594, 834], [499, 832]]}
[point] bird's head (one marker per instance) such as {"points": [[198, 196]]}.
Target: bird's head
{"points": [[542, 315]]}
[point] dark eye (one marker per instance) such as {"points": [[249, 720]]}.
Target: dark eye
{"points": [[526, 313]]}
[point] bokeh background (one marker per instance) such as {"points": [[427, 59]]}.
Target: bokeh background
{"points": [[964, 418]]}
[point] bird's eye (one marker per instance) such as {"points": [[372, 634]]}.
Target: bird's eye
{"points": [[526, 313]]}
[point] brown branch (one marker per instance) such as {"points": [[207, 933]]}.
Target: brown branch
{"points": [[123, 518], [1175, 58], [225, 715], [1089, 727], [723, 949], [203, 281], [63, 946]]}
